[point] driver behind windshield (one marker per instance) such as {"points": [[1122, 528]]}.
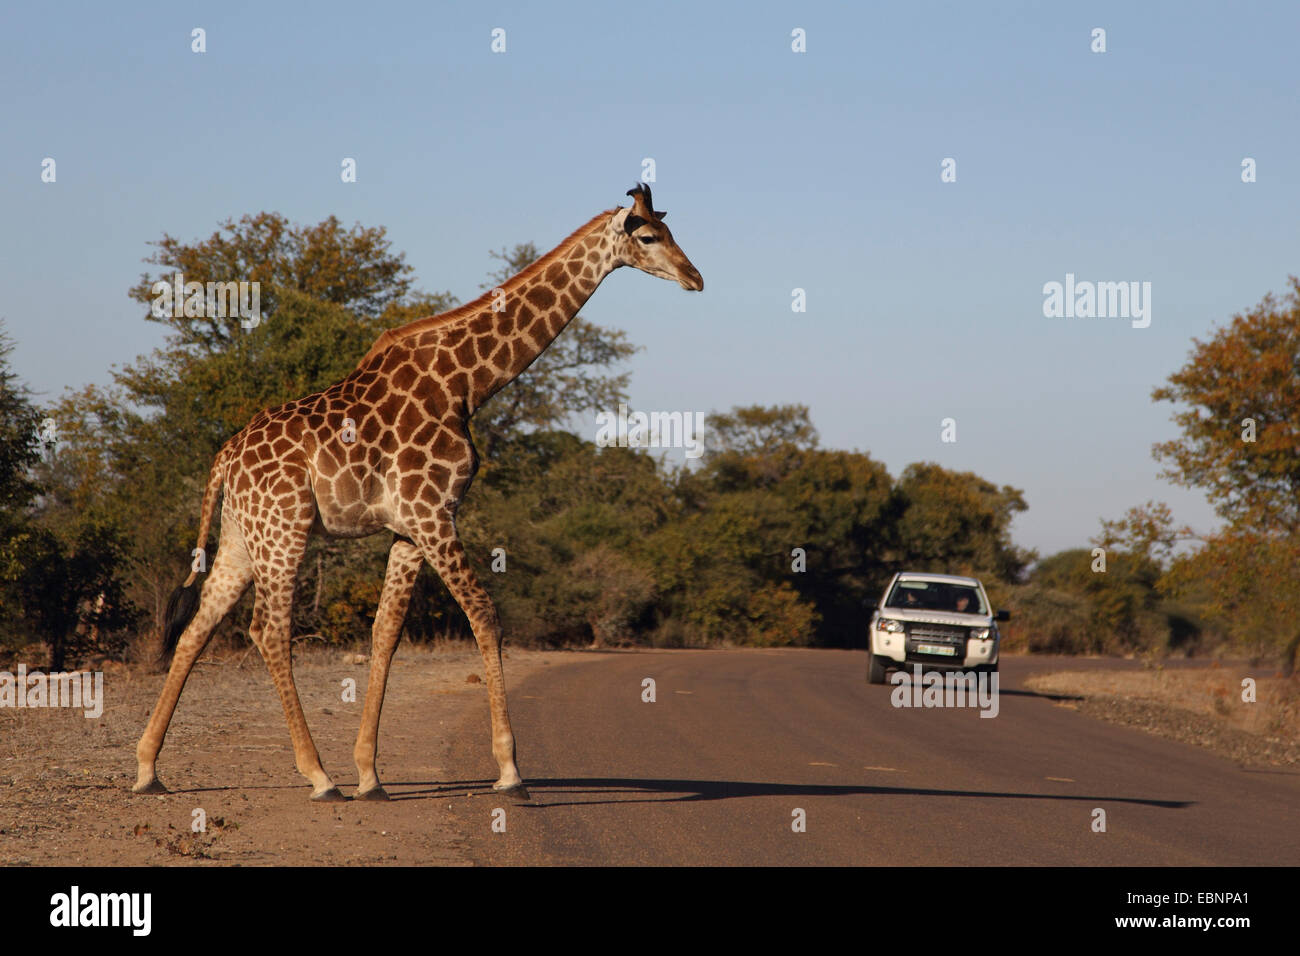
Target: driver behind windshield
{"points": [[963, 604]]}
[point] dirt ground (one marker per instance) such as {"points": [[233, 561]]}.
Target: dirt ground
{"points": [[1201, 706], [65, 779]]}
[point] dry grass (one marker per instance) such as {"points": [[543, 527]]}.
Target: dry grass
{"points": [[1204, 705]]}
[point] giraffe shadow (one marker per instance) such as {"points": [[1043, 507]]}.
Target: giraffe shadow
{"points": [[1022, 692], [1055, 698], [647, 790], [229, 788]]}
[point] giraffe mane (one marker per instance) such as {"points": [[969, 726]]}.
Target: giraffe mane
{"points": [[470, 309]]}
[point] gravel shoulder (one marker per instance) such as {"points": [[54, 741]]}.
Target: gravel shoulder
{"points": [[1204, 705], [65, 779]]}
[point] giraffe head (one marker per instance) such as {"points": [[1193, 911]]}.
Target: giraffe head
{"points": [[641, 240]]}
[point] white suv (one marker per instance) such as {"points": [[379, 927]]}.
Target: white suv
{"points": [[940, 621]]}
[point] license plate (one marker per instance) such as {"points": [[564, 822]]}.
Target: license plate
{"points": [[936, 649]]}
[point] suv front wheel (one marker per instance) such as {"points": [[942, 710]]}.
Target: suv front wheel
{"points": [[875, 668]]}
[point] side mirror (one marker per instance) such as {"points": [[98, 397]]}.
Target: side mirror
{"points": [[1002, 616]]}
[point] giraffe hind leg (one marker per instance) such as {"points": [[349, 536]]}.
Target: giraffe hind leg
{"points": [[229, 579]]}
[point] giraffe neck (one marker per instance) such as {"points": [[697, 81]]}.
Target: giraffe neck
{"points": [[526, 313]]}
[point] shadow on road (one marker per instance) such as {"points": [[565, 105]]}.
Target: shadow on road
{"points": [[1056, 698], [1004, 691], [687, 791]]}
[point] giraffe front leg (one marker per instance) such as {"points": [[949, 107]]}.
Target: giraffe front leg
{"points": [[404, 561], [447, 556]]}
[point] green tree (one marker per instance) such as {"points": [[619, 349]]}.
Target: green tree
{"points": [[61, 588], [958, 522], [70, 594], [1245, 583], [717, 568], [1147, 530], [757, 445], [1119, 608], [19, 453], [838, 508], [1250, 369], [137, 453], [845, 511], [350, 268], [571, 532], [1240, 443], [19, 447]]}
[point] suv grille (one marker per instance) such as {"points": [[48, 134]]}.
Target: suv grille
{"points": [[936, 635]]}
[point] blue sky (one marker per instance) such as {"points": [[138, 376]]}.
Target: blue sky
{"points": [[817, 170]]}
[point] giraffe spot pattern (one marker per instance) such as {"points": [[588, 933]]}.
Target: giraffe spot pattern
{"points": [[290, 473]]}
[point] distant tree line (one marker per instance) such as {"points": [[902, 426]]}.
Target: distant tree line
{"points": [[770, 541]]}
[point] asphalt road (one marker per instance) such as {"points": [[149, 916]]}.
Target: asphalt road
{"points": [[713, 772]]}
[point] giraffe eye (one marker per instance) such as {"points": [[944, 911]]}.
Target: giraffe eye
{"points": [[648, 239]]}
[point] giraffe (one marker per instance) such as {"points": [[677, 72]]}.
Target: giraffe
{"points": [[388, 448]]}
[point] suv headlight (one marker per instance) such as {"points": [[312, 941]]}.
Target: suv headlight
{"points": [[889, 625], [981, 633]]}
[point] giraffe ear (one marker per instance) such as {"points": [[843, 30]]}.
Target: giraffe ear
{"points": [[660, 215], [633, 223]]}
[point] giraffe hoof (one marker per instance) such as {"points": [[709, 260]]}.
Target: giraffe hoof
{"points": [[332, 795], [153, 786], [518, 793], [374, 793]]}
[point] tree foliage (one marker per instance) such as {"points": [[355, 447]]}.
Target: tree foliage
{"points": [[19, 448], [1247, 584], [769, 540], [959, 520], [350, 268], [1240, 443], [1250, 369], [60, 581]]}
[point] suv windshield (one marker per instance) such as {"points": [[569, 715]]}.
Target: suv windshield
{"points": [[937, 596]]}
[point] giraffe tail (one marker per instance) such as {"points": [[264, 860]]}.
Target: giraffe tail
{"points": [[183, 603], [181, 607]]}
